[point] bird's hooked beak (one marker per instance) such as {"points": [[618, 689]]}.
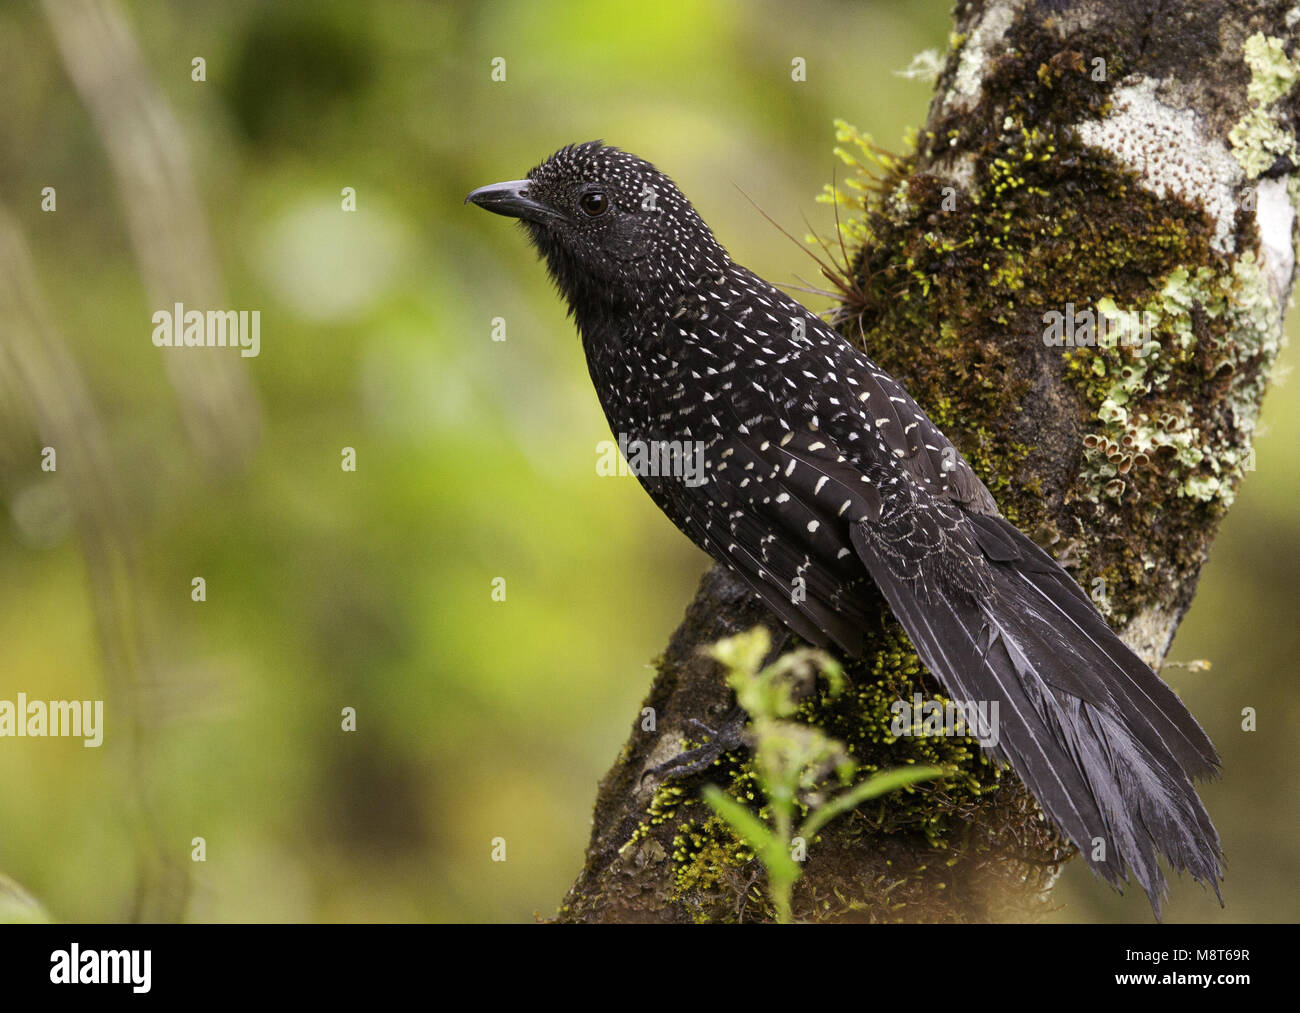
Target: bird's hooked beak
{"points": [[511, 199]]}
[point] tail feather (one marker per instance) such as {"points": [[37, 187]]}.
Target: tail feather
{"points": [[1136, 691], [1106, 747]]}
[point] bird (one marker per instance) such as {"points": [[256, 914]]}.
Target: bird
{"points": [[825, 485]]}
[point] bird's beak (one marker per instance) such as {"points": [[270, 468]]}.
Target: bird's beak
{"points": [[512, 200]]}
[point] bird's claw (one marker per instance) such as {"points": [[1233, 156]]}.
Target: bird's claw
{"points": [[731, 735]]}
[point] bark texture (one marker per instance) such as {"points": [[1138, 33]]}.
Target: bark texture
{"points": [[1085, 166]]}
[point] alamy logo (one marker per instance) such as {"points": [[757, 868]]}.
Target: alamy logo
{"points": [[78, 719], [678, 459], [75, 966], [182, 328], [976, 718]]}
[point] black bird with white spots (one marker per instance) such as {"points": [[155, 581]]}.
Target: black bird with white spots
{"points": [[828, 485]]}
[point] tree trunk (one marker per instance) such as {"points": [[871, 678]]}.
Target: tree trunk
{"points": [[1090, 167]]}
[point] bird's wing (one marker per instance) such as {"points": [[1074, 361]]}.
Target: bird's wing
{"points": [[910, 436], [1102, 743], [934, 551], [791, 548], [863, 409]]}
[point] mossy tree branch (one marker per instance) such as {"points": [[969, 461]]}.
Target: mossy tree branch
{"points": [[1082, 162]]}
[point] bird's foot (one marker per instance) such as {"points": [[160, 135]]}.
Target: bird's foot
{"points": [[730, 735]]}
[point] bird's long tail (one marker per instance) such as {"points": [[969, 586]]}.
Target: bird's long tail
{"points": [[1105, 746]]}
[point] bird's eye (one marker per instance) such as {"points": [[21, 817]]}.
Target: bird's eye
{"points": [[594, 203]]}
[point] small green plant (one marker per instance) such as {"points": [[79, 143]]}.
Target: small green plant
{"points": [[797, 765]]}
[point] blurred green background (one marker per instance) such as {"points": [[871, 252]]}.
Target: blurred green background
{"points": [[327, 589]]}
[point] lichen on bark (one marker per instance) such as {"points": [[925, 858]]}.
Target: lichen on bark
{"points": [[1087, 156]]}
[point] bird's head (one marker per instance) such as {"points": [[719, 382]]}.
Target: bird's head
{"points": [[615, 231]]}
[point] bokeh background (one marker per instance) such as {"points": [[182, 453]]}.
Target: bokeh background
{"points": [[328, 589]]}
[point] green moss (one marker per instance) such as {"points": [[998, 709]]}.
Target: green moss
{"points": [[862, 718], [710, 864], [706, 854], [707, 858]]}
